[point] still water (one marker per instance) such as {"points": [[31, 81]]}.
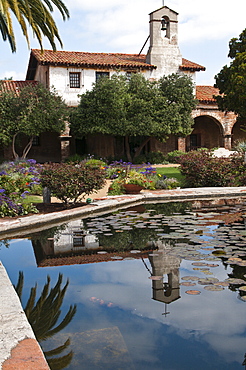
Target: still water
{"points": [[160, 287]]}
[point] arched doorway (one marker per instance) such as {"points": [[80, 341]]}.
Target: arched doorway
{"points": [[207, 133]]}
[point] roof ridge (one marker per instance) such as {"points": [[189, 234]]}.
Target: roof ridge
{"points": [[87, 52]]}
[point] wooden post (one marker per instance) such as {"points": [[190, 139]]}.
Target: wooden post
{"points": [[46, 195]]}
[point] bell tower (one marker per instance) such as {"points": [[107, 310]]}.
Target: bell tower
{"points": [[164, 50]]}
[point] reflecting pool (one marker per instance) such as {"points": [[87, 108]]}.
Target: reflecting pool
{"points": [[160, 287]]}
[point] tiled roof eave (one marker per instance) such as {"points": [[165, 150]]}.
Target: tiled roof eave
{"points": [[99, 65], [207, 101], [192, 69]]}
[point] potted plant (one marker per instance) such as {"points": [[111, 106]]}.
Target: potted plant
{"points": [[133, 182]]}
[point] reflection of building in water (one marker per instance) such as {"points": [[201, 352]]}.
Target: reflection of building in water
{"points": [[74, 239], [70, 239], [166, 265]]}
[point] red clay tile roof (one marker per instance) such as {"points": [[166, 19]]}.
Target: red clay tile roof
{"points": [[89, 258], [14, 86], [83, 59], [190, 66], [206, 93]]}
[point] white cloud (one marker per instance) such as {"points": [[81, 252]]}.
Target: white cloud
{"points": [[13, 74], [120, 26], [197, 21], [213, 317]]}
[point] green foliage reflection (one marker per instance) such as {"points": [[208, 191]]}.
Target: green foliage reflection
{"points": [[43, 315]]}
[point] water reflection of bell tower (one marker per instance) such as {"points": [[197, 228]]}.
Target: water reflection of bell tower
{"points": [[166, 290]]}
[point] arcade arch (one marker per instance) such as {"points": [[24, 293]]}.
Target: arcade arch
{"points": [[207, 133], [238, 132]]}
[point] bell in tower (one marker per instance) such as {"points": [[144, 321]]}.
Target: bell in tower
{"points": [[164, 50]]}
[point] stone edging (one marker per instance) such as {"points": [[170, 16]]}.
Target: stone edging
{"points": [[19, 348], [102, 205]]}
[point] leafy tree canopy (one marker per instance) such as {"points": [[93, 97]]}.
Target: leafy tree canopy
{"points": [[35, 13], [136, 107], [32, 111], [231, 80]]}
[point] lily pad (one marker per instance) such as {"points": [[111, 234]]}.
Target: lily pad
{"points": [[214, 288], [234, 281], [193, 292], [207, 281], [242, 288], [222, 283], [155, 277], [199, 264], [193, 278]]}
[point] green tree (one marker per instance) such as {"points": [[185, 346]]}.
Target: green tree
{"points": [[36, 14], [122, 107], [31, 111], [231, 80]]}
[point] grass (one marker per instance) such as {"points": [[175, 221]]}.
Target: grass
{"points": [[171, 172], [33, 199]]}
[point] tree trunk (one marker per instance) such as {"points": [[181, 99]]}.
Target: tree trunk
{"points": [[25, 150], [15, 154], [139, 149], [127, 146]]}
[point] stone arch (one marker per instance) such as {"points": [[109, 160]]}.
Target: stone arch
{"points": [[208, 132], [238, 132]]}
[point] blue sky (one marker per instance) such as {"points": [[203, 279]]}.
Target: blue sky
{"points": [[205, 28]]}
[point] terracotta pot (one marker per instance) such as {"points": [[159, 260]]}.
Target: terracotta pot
{"points": [[132, 188]]}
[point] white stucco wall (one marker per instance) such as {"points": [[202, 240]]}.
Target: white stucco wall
{"points": [[59, 79]]}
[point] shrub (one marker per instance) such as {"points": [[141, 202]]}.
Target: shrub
{"points": [[240, 146], [174, 157], [140, 159], [17, 179], [116, 188], [14, 206], [157, 158], [201, 169], [95, 163], [70, 182], [75, 158], [167, 183]]}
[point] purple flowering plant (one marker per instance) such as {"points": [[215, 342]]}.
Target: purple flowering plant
{"points": [[17, 180], [120, 168]]}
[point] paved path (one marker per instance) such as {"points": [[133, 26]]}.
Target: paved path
{"points": [[18, 348]]}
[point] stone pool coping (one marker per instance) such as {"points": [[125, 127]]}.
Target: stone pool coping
{"points": [[19, 226], [18, 346]]}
